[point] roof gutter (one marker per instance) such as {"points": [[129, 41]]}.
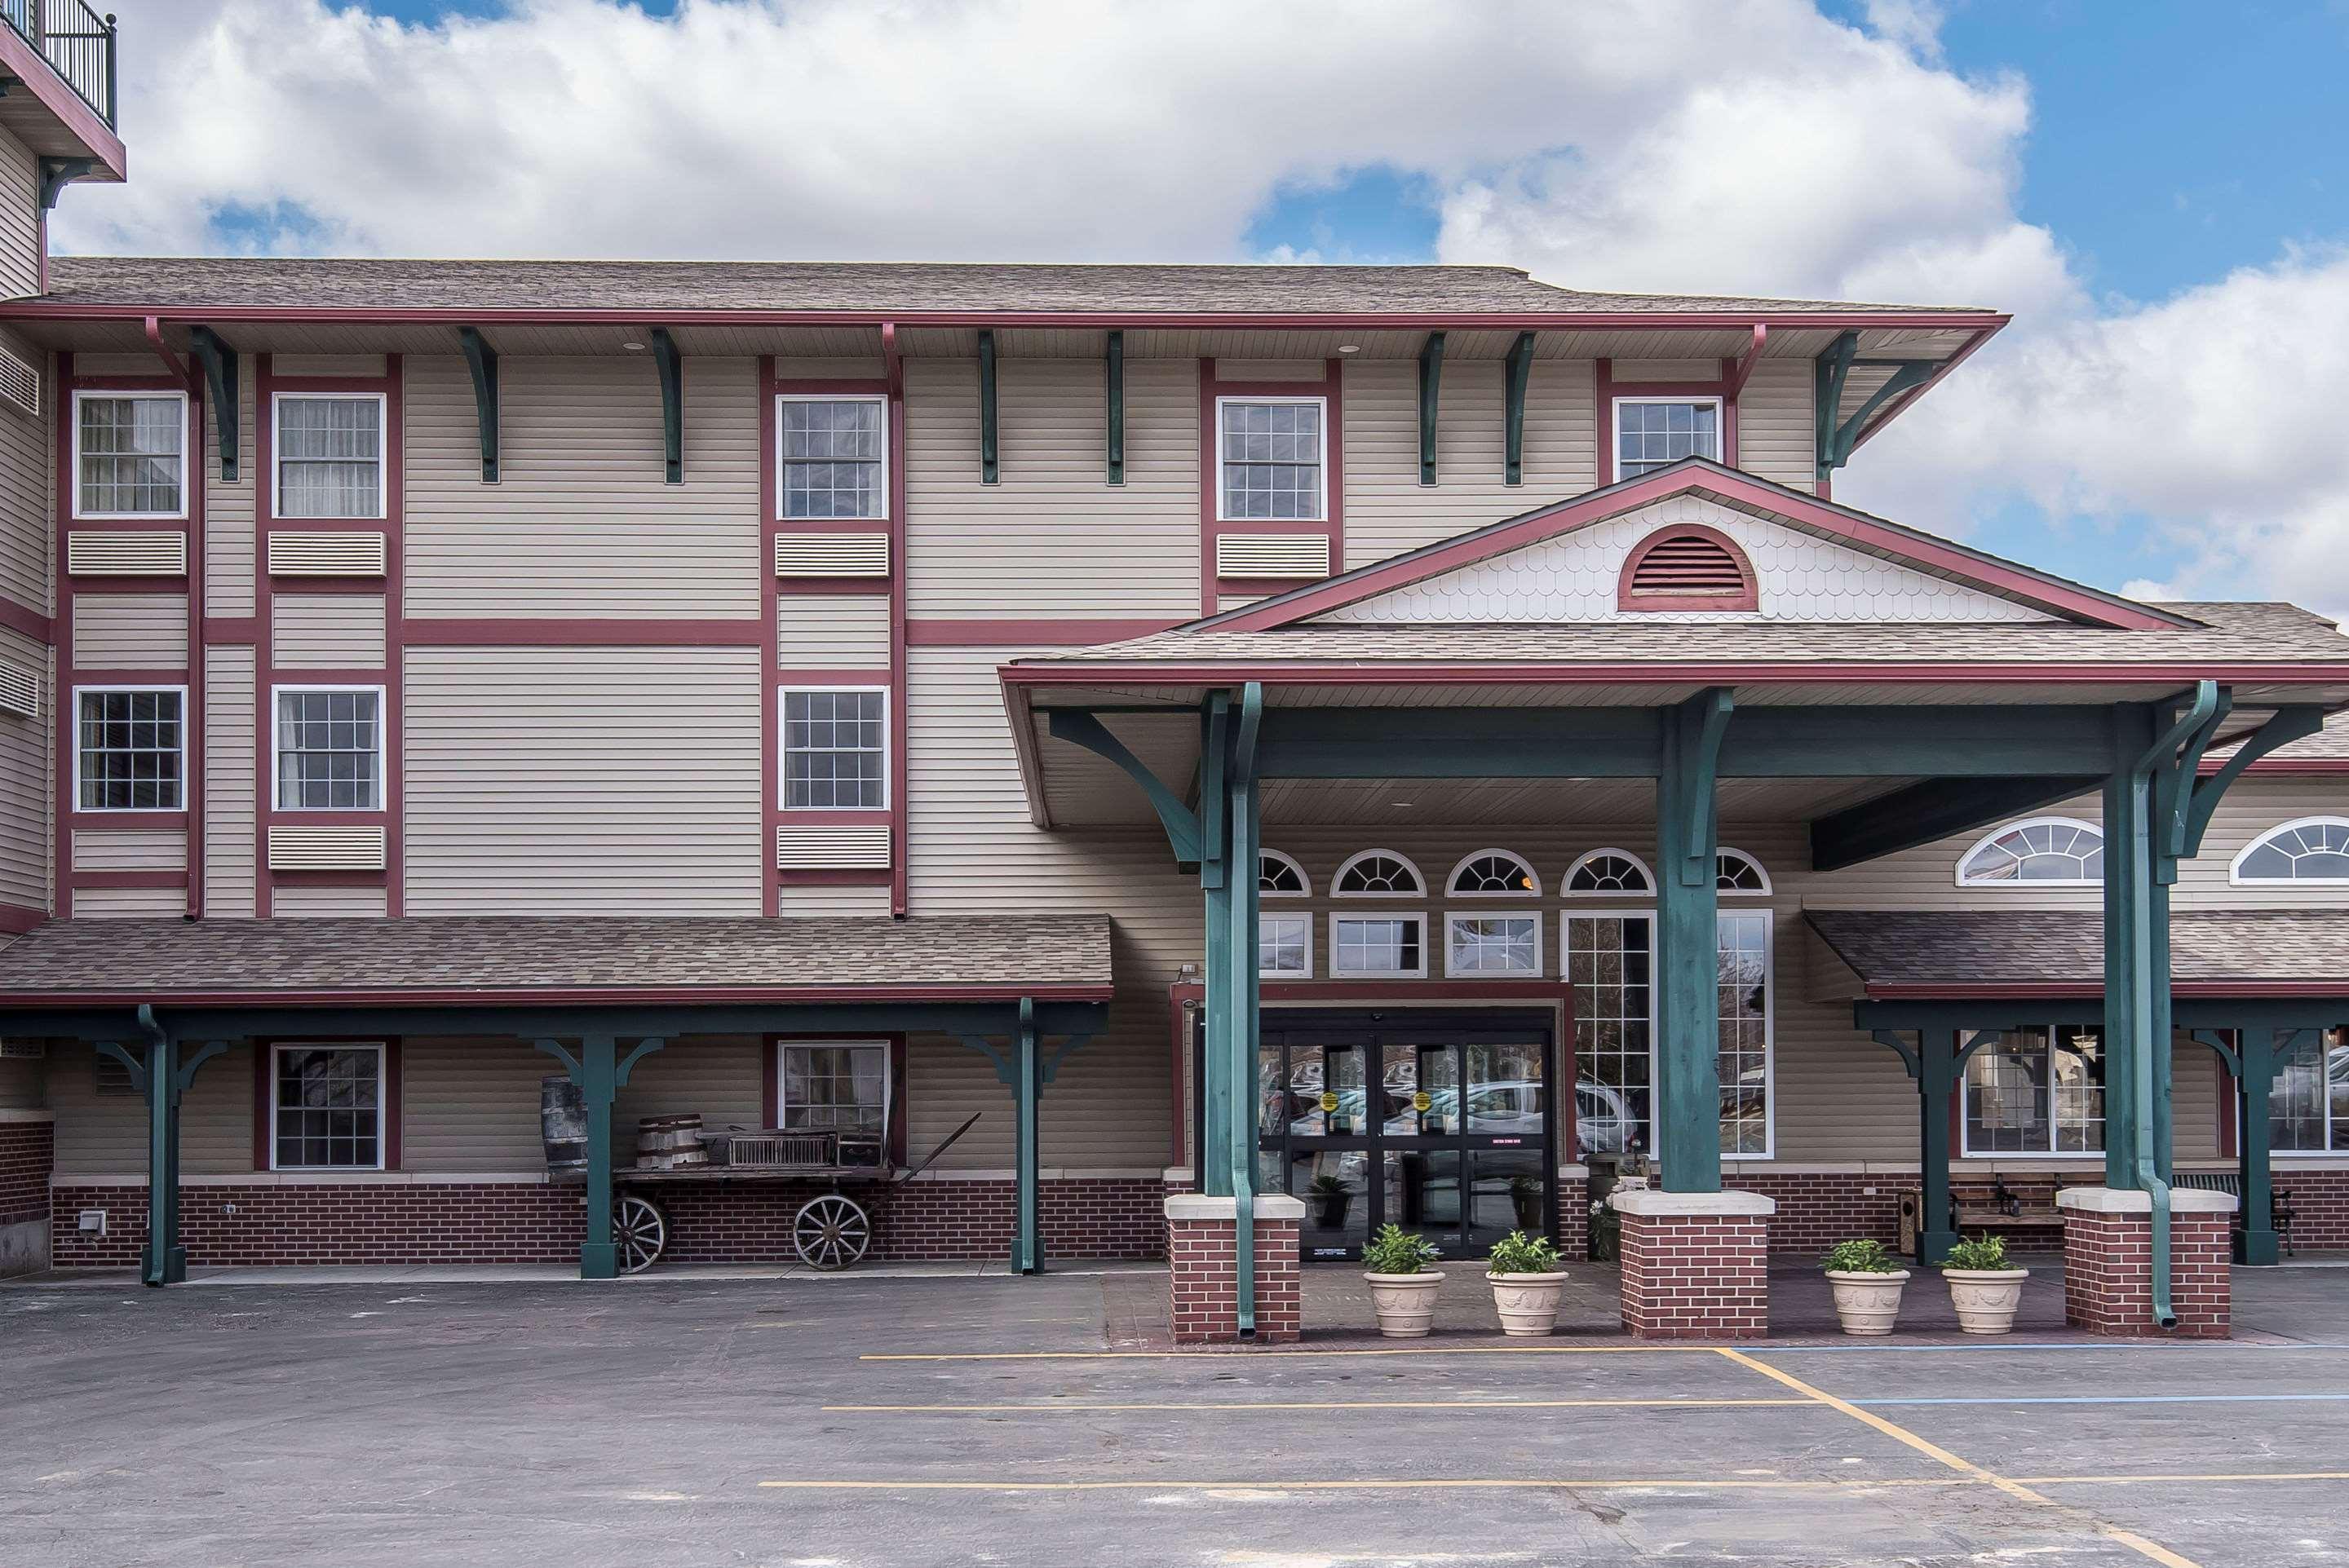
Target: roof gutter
{"points": [[1366, 673]]}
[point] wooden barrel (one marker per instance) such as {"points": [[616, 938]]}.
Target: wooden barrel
{"points": [[562, 1123], [670, 1142]]}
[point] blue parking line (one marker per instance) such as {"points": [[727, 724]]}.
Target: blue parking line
{"points": [[2113, 1399]]}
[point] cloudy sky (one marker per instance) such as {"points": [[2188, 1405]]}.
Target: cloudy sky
{"points": [[2158, 190]]}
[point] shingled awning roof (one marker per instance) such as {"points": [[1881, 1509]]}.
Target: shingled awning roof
{"points": [[1918, 954], [500, 958]]}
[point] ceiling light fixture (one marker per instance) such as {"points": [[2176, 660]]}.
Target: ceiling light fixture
{"points": [[634, 348], [1350, 348]]}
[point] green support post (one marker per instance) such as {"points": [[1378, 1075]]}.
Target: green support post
{"points": [[1028, 1238], [989, 470], [2257, 1049], [1688, 944], [1239, 1048], [166, 1260], [1430, 382], [1937, 1077], [671, 366], [1216, 965], [1516, 377], [1114, 361], [601, 1072]]}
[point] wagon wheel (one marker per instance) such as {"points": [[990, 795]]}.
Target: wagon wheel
{"points": [[831, 1233], [641, 1230]]}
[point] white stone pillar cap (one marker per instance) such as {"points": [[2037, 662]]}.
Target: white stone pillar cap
{"points": [[1649, 1201], [1199, 1206], [2125, 1201]]}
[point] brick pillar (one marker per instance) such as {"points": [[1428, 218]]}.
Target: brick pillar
{"points": [[1695, 1266], [1200, 1268], [1574, 1211], [2108, 1262], [26, 1146]]}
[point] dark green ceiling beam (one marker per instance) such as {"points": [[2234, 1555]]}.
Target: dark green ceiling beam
{"points": [[1934, 809]]}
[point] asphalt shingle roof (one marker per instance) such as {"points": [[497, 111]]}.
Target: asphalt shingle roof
{"points": [[864, 287], [155, 959], [1971, 947]]}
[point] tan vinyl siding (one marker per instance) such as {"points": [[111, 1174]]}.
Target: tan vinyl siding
{"points": [[295, 901], [26, 799], [831, 631], [1053, 539], [23, 1085], [1775, 437], [2249, 810], [469, 1107], [229, 508], [20, 219], [327, 630], [128, 903], [584, 780], [142, 850], [105, 1135], [293, 366], [820, 899], [26, 529], [230, 782], [130, 631], [582, 523], [100, 366], [1387, 511]]}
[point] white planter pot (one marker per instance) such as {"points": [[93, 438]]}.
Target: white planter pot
{"points": [[1527, 1302], [1986, 1298], [1405, 1302], [1867, 1303]]}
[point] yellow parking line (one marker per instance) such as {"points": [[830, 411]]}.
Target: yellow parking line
{"points": [[1341, 1405], [2139, 1479], [1210, 1358], [1934, 1451]]}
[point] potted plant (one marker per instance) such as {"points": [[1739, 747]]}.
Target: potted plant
{"points": [[1866, 1281], [1526, 1283], [1402, 1287], [1525, 1196], [1331, 1200], [1984, 1286]]}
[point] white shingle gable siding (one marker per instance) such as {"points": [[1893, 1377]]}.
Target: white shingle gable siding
{"points": [[1572, 578]]}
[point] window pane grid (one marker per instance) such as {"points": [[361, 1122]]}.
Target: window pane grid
{"points": [[2038, 1090], [1650, 436], [131, 451], [1272, 460], [1743, 981], [1389, 946], [2308, 1104], [836, 749], [131, 745], [2038, 852], [327, 746], [1608, 963], [1495, 944], [2301, 852], [835, 1089], [1283, 944], [327, 1113], [832, 456], [329, 456]]}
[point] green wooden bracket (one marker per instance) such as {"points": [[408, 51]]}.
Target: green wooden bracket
{"points": [[482, 361], [2282, 727], [221, 375], [1829, 373], [672, 383], [1069, 1047], [135, 1061], [2168, 768], [57, 173], [1114, 362], [1005, 1073], [1430, 382], [1891, 1040], [1709, 711], [1982, 1038], [185, 1078], [645, 1047], [570, 1063], [1182, 824], [1910, 373], [990, 467], [2227, 1058], [1515, 378]]}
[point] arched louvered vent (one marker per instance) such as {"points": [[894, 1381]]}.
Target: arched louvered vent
{"points": [[1687, 568]]}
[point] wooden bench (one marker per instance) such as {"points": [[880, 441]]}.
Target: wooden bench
{"points": [[2231, 1183]]}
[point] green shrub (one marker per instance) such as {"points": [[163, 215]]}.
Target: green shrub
{"points": [[1395, 1251], [1517, 1253], [1329, 1186], [1861, 1257], [1984, 1251]]}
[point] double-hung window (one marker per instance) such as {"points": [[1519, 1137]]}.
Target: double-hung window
{"points": [[832, 457], [1271, 453], [2308, 1104], [131, 749], [330, 455], [330, 748], [835, 1086], [130, 454], [327, 1108], [1652, 433], [836, 749], [2038, 1090]]}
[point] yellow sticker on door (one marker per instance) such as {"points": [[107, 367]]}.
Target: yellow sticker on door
{"points": [[1329, 1099]]}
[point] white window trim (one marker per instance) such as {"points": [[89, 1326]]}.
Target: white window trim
{"points": [[1566, 888], [2071, 1156], [75, 805], [1339, 971], [1764, 891], [74, 477], [1285, 974], [1451, 916], [2235, 877], [1452, 888], [1350, 862], [1321, 507], [1615, 426], [1304, 883], [888, 1050], [783, 750], [1653, 1128], [2015, 827], [879, 491], [277, 451], [1769, 1037], [2325, 1103], [277, 747], [382, 1100]]}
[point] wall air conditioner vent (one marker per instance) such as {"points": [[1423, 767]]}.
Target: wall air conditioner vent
{"points": [[832, 555], [23, 1050], [20, 383], [832, 848], [319, 848], [1282, 555], [354, 555], [20, 690], [90, 553]]}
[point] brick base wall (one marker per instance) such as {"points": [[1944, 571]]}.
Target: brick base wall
{"points": [[1695, 1276], [1573, 1236], [518, 1223], [26, 1154], [1202, 1270], [2109, 1275], [2320, 1207]]}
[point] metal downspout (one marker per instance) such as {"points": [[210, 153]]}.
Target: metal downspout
{"points": [[1241, 849]]}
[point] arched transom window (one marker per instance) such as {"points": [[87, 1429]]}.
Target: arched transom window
{"points": [[1377, 873], [1494, 873], [2312, 850], [1738, 872], [2045, 852], [1280, 876], [1608, 872]]}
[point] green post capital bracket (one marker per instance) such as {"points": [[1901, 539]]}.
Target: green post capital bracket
{"points": [[672, 384], [990, 467], [1516, 377], [1114, 362], [1430, 382], [482, 361], [222, 378]]}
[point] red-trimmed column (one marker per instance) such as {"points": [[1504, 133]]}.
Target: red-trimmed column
{"points": [[1200, 1265], [1695, 1266], [2108, 1262]]}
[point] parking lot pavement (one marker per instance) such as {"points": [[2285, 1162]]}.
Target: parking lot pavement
{"points": [[871, 1420]]}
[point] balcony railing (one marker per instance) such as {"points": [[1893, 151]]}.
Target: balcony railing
{"points": [[78, 42]]}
